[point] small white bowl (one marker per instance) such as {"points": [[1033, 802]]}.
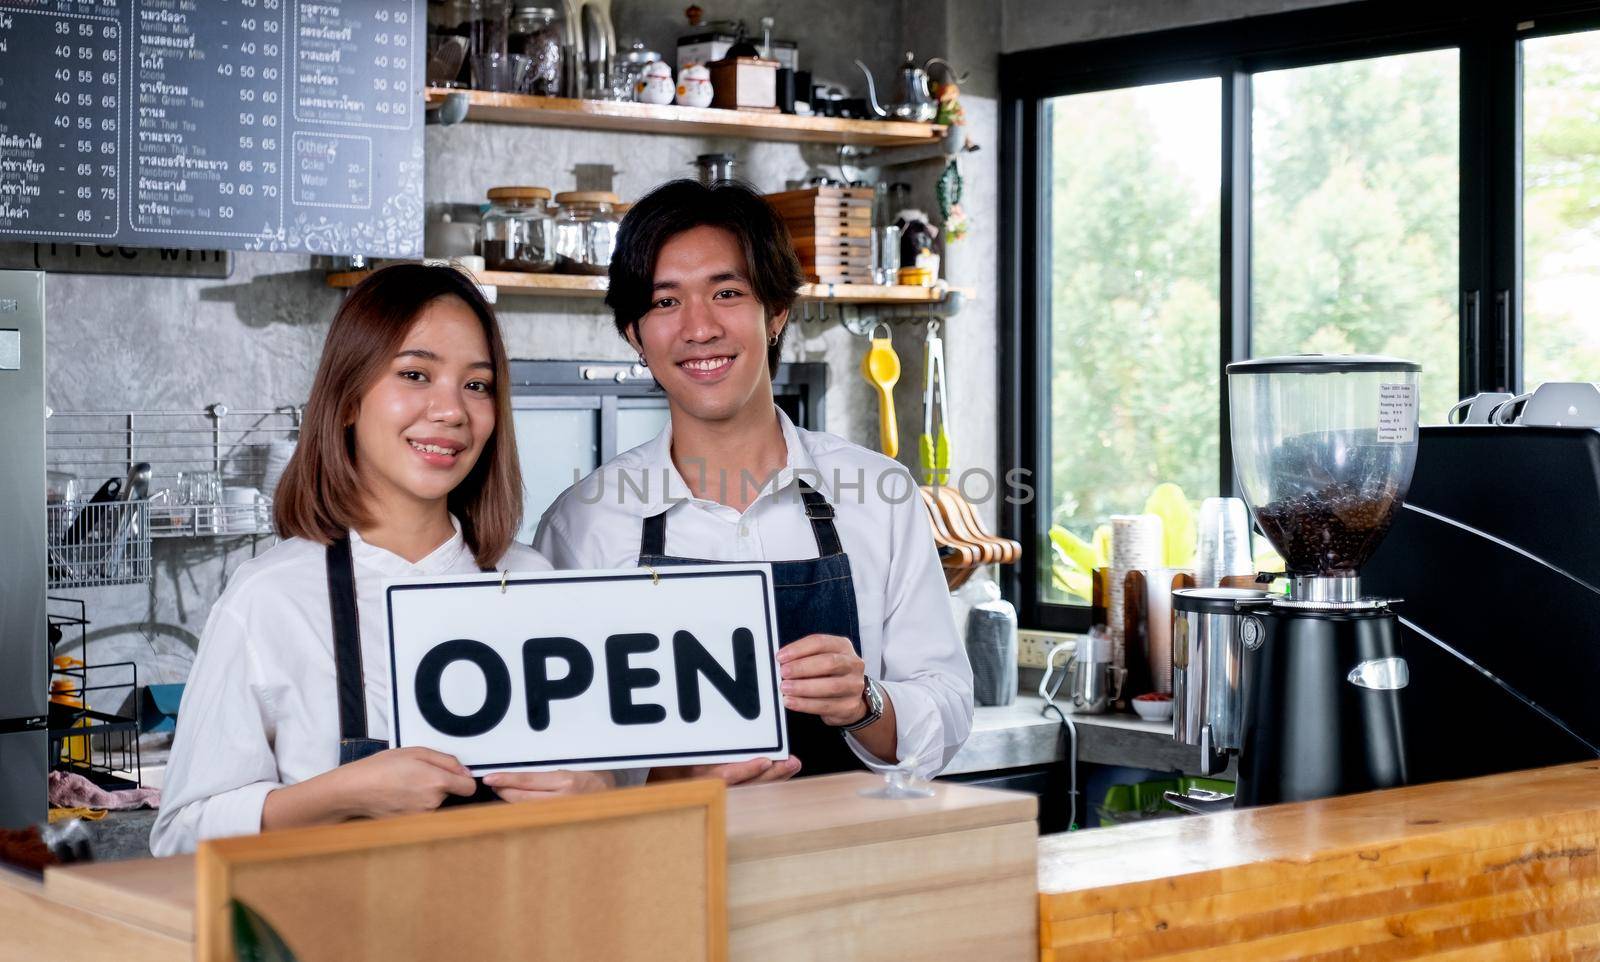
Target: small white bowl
{"points": [[1153, 710]]}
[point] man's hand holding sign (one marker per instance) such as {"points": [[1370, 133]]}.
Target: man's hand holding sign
{"points": [[547, 678]]}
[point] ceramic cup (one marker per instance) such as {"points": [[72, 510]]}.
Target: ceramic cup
{"points": [[1554, 404], [244, 509], [1476, 409]]}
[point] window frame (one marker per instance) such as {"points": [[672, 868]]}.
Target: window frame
{"points": [[1490, 294]]}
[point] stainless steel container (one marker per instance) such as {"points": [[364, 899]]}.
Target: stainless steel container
{"points": [[1209, 634], [1091, 680], [24, 650]]}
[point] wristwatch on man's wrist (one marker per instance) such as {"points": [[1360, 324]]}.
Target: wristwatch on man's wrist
{"points": [[873, 696]]}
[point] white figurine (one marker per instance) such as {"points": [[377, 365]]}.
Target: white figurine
{"points": [[694, 85], [655, 84]]}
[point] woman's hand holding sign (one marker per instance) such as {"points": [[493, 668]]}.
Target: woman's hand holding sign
{"points": [[753, 771], [532, 786], [398, 781]]}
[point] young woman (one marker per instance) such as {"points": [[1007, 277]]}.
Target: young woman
{"points": [[401, 470], [873, 669]]}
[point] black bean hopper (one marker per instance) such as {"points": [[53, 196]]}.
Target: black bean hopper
{"points": [[1324, 447]]}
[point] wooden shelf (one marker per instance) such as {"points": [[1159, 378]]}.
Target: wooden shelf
{"points": [[575, 285], [506, 108], [511, 282], [871, 294]]}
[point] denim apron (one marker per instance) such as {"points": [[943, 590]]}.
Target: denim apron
{"points": [[354, 745], [813, 597]]}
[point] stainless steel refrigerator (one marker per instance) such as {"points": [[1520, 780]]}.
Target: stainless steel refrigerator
{"points": [[24, 651]]}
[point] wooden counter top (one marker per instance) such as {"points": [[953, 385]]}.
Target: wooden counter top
{"points": [[815, 870], [1504, 867], [1492, 868]]}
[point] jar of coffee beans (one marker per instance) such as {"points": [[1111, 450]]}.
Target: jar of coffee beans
{"points": [[519, 231]]}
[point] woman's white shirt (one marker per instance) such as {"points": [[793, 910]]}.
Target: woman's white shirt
{"points": [[261, 707], [908, 635]]}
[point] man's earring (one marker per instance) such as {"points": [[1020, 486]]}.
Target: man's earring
{"points": [[772, 341], [643, 362]]}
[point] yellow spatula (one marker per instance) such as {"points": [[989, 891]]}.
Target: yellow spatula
{"points": [[881, 368]]}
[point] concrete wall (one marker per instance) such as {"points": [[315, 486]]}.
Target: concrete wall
{"points": [[252, 340]]}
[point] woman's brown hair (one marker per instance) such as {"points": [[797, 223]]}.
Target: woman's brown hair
{"points": [[320, 497]]}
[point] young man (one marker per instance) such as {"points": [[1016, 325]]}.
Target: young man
{"points": [[872, 669]]}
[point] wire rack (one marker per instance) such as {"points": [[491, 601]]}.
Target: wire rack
{"points": [[212, 471], [101, 746], [98, 543]]}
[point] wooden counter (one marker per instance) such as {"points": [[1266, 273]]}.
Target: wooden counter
{"points": [[1503, 867], [814, 871]]}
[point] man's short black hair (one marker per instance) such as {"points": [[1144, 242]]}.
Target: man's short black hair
{"points": [[682, 205]]}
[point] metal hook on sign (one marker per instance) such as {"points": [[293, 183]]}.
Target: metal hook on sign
{"points": [[504, 577], [655, 576]]}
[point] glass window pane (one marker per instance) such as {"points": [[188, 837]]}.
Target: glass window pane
{"points": [[636, 425], [1560, 208], [1134, 234], [556, 447], [1356, 214]]}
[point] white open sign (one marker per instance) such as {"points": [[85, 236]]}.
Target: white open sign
{"points": [[593, 669]]}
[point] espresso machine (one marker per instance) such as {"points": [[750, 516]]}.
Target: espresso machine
{"points": [[1305, 686], [1496, 556]]}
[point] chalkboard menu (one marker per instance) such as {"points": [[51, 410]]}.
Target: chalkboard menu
{"points": [[278, 125]]}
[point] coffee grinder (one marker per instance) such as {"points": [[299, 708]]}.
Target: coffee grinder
{"points": [[1324, 447]]}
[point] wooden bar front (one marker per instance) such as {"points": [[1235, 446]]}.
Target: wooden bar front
{"points": [[814, 871], [1502, 867]]}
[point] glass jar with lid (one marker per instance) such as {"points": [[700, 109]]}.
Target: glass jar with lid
{"points": [[519, 230], [536, 34], [449, 42], [586, 231], [626, 69]]}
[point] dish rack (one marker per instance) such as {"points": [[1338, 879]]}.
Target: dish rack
{"points": [[212, 474], [101, 746], [98, 543]]}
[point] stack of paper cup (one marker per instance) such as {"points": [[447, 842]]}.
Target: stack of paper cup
{"points": [[1136, 544], [1224, 547]]}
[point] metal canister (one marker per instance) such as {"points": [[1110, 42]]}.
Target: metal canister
{"points": [[715, 168], [1210, 629]]}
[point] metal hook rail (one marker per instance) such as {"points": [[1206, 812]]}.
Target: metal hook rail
{"points": [[860, 319]]}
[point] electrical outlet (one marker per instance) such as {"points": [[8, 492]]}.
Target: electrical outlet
{"points": [[1033, 645]]}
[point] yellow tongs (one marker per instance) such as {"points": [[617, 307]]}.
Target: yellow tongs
{"points": [[934, 449]]}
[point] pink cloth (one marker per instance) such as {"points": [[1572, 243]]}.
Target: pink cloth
{"points": [[71, 790]]}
